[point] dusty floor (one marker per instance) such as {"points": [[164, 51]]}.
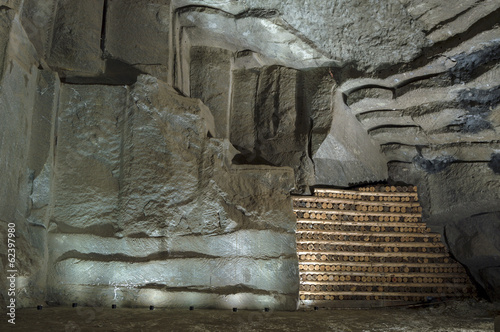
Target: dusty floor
{"points": [[450, 317]]}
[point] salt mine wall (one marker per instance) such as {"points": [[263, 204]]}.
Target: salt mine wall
{"points": [[156, 211], [148, 149]]}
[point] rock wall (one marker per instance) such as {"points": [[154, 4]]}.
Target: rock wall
{"points": [[149, 210], [27, 120], [148, 148]]}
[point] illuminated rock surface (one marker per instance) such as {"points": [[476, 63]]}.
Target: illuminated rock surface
{"points": [[148, 149]]}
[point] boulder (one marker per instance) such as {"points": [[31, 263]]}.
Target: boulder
{"points": [[475, 242]]}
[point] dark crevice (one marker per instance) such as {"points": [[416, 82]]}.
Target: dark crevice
{"points": [[157, 256], [391, 146], [396, 161], [258, 13], [219, 290], [243, 53], [103, 28], [479, 288], [397, 145], [202, 9], [117, 73], [382, 128], [425, 81], [451, 19], [101, 230]]}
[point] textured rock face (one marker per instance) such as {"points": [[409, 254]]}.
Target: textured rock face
{"points": [[75, 41], [152, 206], [27, 116], [475, 241], [461, 201], [148, 148], [137, 32]]}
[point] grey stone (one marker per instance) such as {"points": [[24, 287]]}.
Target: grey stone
{"points": [[268, 123], [459, 191], [43, 119], [348, 155], [40, 195], [20, 130], [346, 25], [87, 158], [137, 32], [37, 19], [475, 242], [75, 45], [243, 107], [146, 209], [5, 26], [317, 86], [210, 79]]}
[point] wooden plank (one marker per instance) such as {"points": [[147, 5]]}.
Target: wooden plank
{"points": [[356, 304], [365, 193], [363, 223], [383, 284], [402, 294], [386, 274], [353, 201], [376, 244], [358, 213], [375, 264], [369, 233], [376, 254]]}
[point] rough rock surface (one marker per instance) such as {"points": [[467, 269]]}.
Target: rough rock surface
{"points": [[461, 202], [75, 44], [148, 148], [475, 242], [145, 201], [137, 33]]}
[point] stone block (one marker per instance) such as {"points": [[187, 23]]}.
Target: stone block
{"points": [[88, 155], [348, 155], [475, 242], [75, 47], [210, 80], [137, 32]]}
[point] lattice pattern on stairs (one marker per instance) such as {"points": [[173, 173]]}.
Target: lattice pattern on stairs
{"points": [[370, 244]]}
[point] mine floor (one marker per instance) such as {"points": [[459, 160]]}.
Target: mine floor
{"points": [[449, 317]]}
